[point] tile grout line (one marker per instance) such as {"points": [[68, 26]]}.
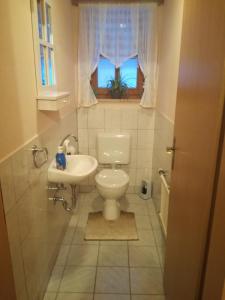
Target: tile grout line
{"points": [[96, 269], [129, 268]]}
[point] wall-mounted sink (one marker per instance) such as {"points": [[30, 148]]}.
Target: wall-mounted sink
{"points": [[78, 168]]}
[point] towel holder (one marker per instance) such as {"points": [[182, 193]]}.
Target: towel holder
{"points": [[38, 159]]}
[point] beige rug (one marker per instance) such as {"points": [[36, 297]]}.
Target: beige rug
{"points": [[122, 229]]}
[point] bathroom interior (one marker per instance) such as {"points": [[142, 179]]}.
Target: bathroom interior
{"points": [[96, 227]]}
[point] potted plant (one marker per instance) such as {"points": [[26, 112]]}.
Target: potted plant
{"points": [[117, 87]]}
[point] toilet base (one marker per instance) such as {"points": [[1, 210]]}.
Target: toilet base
{"points": [[111, 210]]}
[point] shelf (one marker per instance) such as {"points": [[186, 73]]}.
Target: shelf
{"points": [[52, 101]]}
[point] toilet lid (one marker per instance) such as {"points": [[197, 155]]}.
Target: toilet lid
{"points": [[112, 178]]}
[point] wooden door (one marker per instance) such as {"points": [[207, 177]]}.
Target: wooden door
{"points": [[213, 280], [197, 130], [7, 291]]}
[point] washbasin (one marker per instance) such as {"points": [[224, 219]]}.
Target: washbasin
{"points": [[78, 168]]}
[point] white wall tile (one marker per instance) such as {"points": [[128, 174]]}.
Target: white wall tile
{"points": [[20, 172], [133, 135], [113, 118], [133, 158], [144, 158], [7, 185], [83, 151], [83, 138], [132, 175], [145, 139], [92, 137], [96, 117], [112, 130], [143, 173], [93, 153], [146, 118], [129, 119], [82, 114]]}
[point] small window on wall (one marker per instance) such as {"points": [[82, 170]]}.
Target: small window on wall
{"points": [[124, 82], [43, 44]]}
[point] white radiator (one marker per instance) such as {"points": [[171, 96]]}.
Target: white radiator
{"points": [[164, 205]]}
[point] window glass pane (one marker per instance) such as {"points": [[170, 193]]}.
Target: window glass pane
{"points": [[48, 24], [40, 19], [128, 72], [51, 73], [43, 65], [106, 71]]}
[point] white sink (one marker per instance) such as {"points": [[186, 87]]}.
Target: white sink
{"points": [[78, 168]]}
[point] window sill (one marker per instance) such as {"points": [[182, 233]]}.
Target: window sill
{"points": [[52, 101]]}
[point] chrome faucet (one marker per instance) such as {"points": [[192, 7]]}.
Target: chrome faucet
{"points": [[65, 138], [68, 136]]}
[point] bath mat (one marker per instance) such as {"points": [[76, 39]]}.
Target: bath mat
{"points": [[123, 229]]}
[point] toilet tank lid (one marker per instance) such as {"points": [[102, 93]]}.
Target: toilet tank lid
{"points": [[109, 134]]}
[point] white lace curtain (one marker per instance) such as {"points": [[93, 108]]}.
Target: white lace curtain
{"points": [[118, 32]]}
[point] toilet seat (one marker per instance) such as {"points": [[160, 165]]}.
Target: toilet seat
{"points": [[111, 178]]}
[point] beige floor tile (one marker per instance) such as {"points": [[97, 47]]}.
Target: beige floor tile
{"points": [[74, 220], [138, 209], [143, 222], [154, 219], [111, 297], [147, 297], [146, 238], [62, 256], [83, 255], [143, 256], [159, 238], [78, 279], [74, 296], [68, 236], [55, 279], [151, 207], [50, 296], [146, 281], [113, 243], [161, 252], [134, 198], [152, 211], [113, 256], [82, 222], [112, 280], [78, 238]]}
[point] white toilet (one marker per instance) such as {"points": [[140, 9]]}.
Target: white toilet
{"points": [[112, 183]]}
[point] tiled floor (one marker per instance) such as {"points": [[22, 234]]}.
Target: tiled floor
{"points": [[110, 270]]}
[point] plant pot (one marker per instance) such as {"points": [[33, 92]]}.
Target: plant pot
{"points": [[116, 94]]}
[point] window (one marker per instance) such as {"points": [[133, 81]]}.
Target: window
{"points": [[43, 42], [129, 75]]}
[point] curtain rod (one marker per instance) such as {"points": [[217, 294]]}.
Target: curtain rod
{"points": [[76, 2]]}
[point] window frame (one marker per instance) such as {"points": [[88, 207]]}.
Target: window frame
{"points": [[47, 45], [132, 93]]}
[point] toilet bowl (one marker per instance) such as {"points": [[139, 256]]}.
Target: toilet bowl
{"points": [[112, 185]]}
